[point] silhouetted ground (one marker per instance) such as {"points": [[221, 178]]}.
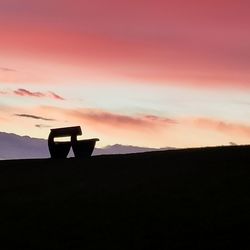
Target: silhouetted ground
{"points": [[181, 199]]}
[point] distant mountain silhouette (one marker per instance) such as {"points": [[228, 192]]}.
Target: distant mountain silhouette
{"points": [[125, 149], [13, 146]]}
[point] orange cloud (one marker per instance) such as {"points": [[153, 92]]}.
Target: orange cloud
{"points": [[223, 127]]}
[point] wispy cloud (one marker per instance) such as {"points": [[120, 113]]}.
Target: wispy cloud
{"points": [[34, 117], [101, 119], [27, 93], [42, 126], [118, 120], [161, 119], [55, 96], [7, 69]]}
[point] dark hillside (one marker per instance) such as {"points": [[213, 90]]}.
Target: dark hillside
{"points": [[180, 199]]}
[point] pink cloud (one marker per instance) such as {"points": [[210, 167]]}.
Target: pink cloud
{"points": [[194, 42], [120, 121], [4, 69], [112, 121]]}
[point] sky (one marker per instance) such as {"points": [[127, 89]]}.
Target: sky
{"points": [[152, 73]]}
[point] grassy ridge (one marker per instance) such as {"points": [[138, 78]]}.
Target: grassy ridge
{"points": [[180, 199]]}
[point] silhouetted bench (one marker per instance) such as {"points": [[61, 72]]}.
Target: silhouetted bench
{"points": [[81, 148]]}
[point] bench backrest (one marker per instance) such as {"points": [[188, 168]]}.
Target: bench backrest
{"points": [[67, 131]]}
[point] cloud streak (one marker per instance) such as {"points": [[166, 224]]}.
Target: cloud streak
{"points": [[55, 96], [7, 69], [98, 117], [42, 126], [34, 117], [101, 119], [27, 93]]}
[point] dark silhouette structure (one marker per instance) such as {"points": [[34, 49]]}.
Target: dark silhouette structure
{"points": [[167, 200], [81, 148]]}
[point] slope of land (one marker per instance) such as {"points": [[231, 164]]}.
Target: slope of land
{"points": [[179, 199]]}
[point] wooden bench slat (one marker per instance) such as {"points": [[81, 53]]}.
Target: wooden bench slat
{"points": [[66, 131]]}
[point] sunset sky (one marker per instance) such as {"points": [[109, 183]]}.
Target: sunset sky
{"points": [[152, 73]]}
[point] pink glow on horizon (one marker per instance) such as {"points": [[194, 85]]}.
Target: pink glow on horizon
{"points": [[145, 130], [141, 130]]}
